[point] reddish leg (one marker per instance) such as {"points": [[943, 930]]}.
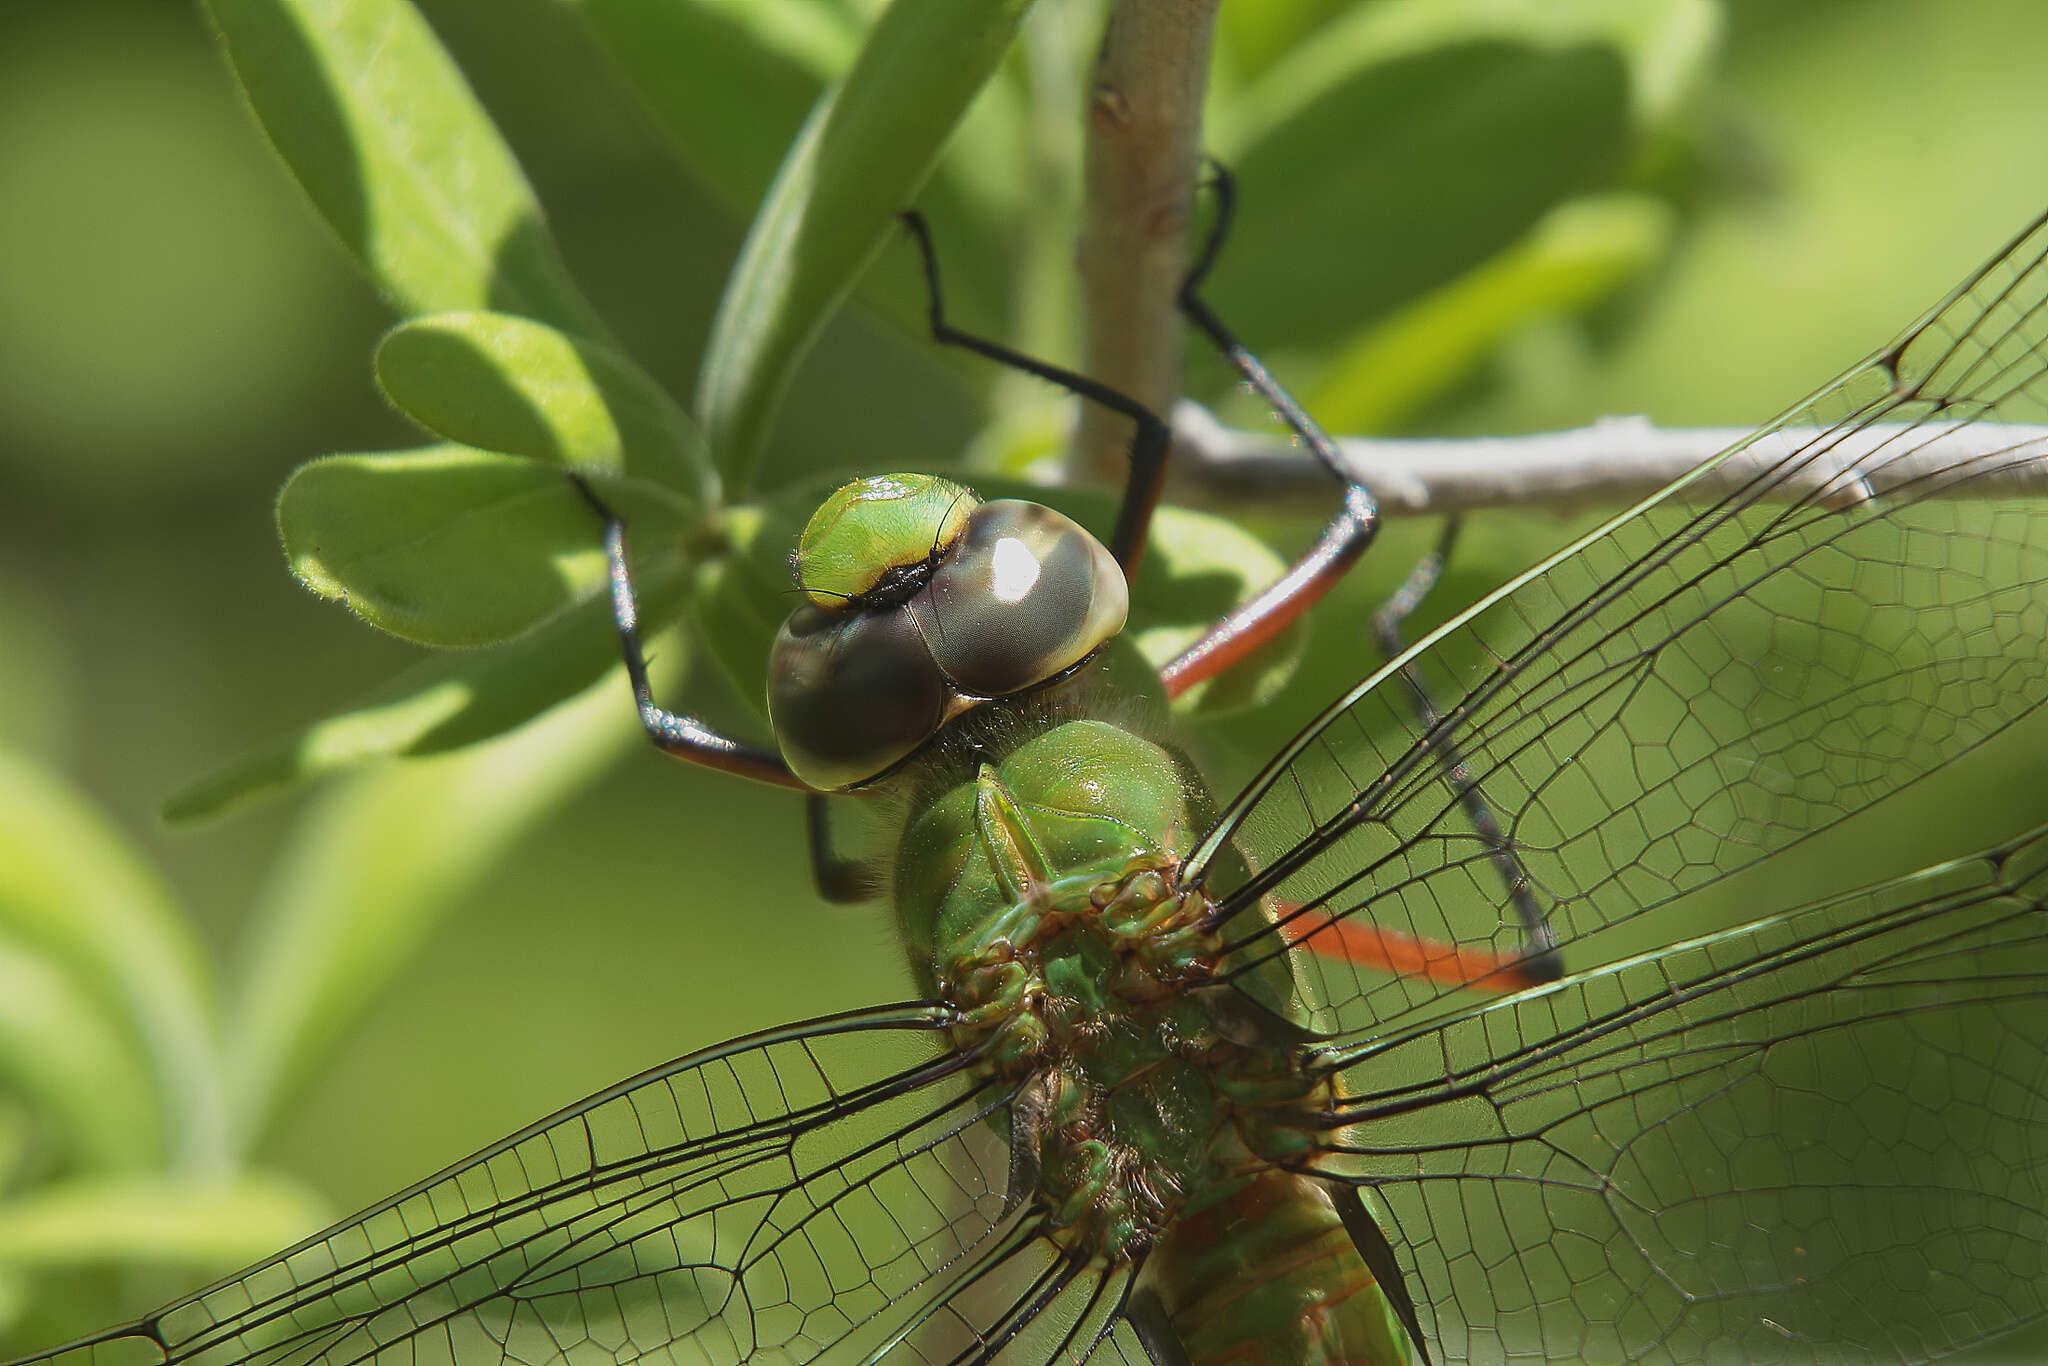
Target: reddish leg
{"points": [[1250, 627]]}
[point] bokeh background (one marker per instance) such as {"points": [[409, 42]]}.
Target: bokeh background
{"points": [[177, 332]]}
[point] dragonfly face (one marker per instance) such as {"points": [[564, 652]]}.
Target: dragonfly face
{"points": [[1811, 1132], [923, 603]]}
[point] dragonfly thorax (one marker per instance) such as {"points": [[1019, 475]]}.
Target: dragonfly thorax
{"points": [[922, 603], [1045, 895]]}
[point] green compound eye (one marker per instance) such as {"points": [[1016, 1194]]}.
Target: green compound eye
{"points": [[873, 528], [899, 638]]}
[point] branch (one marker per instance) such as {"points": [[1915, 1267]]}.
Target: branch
{"points": [[1144, 145], [1616, 460]]}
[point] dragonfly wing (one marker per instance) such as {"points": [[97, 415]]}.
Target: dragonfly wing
{"points": [[1839, 606], [832, 1187], [1822, 1134]]}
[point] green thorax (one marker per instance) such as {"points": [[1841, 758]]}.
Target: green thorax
{"points": [[1040, 897]]}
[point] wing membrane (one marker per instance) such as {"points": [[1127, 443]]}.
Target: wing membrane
{"points": [[831, 1188], [1849, 601], [1822, 1135]]}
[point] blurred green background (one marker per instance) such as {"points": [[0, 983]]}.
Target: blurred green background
{"points": [[177, 332]]}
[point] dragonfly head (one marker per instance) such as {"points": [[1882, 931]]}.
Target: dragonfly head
{"points": [[921, 603]]}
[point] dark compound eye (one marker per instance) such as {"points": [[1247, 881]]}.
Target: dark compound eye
{"points": [[1023, 595], [850, 696], [891, 646]]}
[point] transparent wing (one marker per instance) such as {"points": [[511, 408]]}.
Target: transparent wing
{"points": [[1820, 1136], [1852, 599], [828, 1191]]}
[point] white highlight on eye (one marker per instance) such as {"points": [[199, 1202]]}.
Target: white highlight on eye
{"points": [[1014, 570]]}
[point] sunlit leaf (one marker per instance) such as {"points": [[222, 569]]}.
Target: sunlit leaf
{"points": [[508, 384], [449, 546], [391, 145], [857, 164]]}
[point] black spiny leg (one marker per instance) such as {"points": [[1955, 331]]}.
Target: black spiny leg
{"points": [[1541, 960], [842, 881], [1257, 622], [683, 736], [1148, 442]]}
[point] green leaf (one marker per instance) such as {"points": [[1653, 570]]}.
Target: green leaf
{"points": [[453, 547], [1485, 113], [1197, 567], [391, 145], [75, 895], [76, 1064], [206, 1224], [445, 702], [859, 161], [372, 870], [729, 81], [507, 384], [1580, 253]]}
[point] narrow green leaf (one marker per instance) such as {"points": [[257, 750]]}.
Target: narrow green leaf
{"points": [[450, 700], [508, 384], [391, 145], [77, 1065], [1489, 113], [372, 869], [453, 547], [206, 1224], [730, 83], [1580, 253], [859, 162], [74, 893]]}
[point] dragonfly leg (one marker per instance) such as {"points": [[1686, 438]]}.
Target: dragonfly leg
{"points": [[685, 737], [841, 881], [1539, 959], [1148, 441], [1251, 626]]}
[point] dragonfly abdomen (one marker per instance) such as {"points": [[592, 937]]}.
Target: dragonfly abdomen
{"points": [[1269, 1276]]}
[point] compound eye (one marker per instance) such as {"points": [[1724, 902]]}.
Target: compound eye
{"points": [[1025, 593], [850, 696]]}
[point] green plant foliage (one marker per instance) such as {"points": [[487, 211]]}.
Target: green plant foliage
{"points": [[449, 546], [1409, 141], [445, 702], [694, 62], [1492, 113], [858, 162], [508, 384], [367, 877], [201, 1222], [390, 144], [75, 1065], [1578, 254], [126, 1002]]}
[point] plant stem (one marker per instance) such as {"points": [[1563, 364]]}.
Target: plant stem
{"points": [[1144, 142]]}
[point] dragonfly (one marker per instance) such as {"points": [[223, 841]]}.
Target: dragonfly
{"points": [[1428, 1044]]}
